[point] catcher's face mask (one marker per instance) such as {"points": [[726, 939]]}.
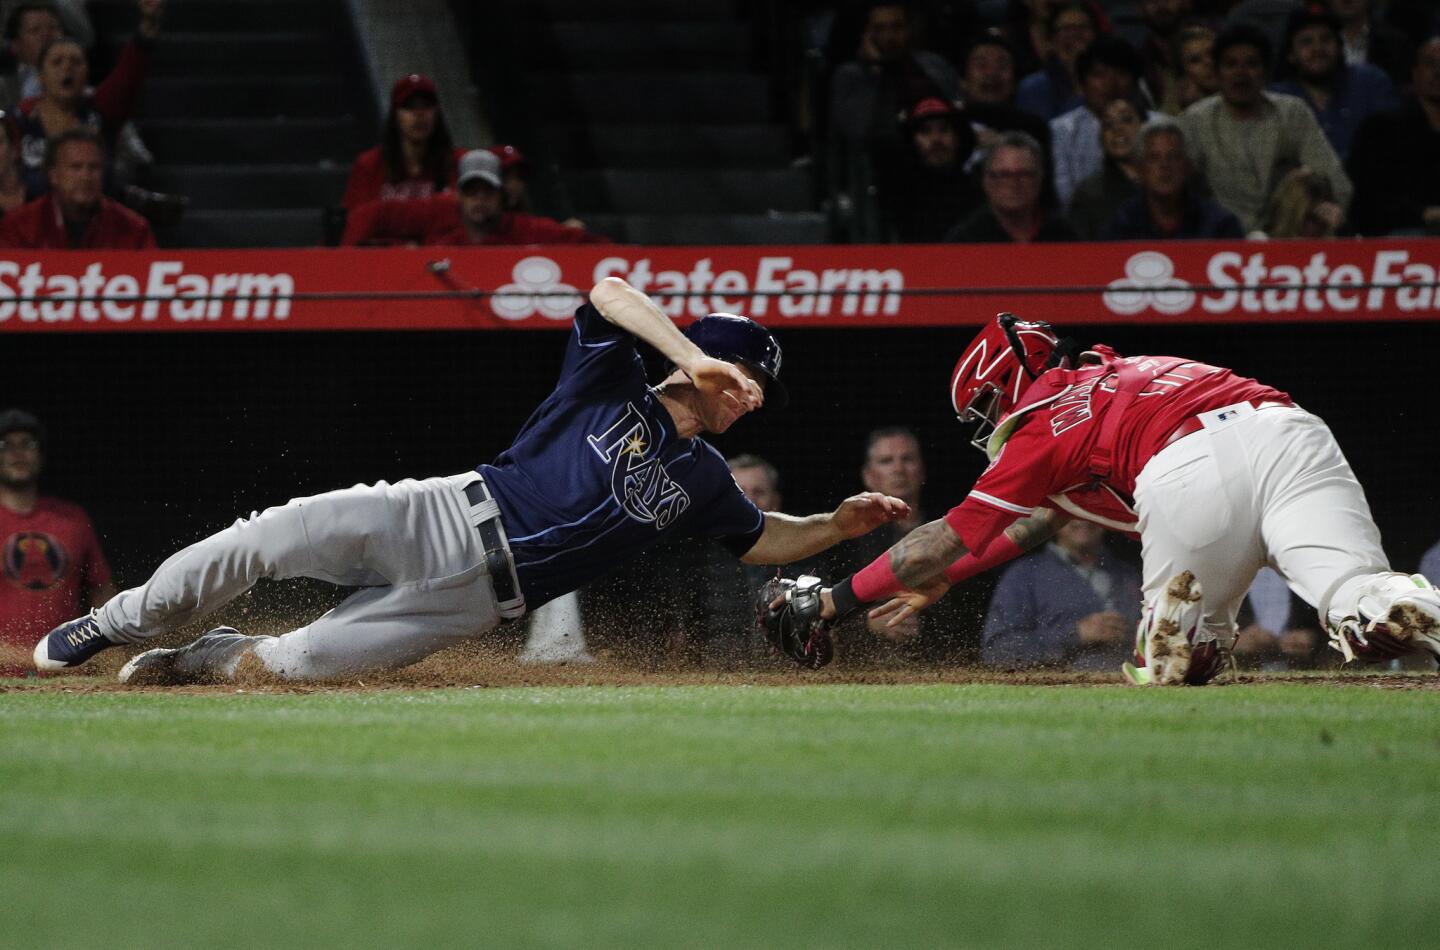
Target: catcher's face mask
{"points": [[998, 365]]}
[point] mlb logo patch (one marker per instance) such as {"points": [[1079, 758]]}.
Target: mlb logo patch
{"points": [[1226, 415]]}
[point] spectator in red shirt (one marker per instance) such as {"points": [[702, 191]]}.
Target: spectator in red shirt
{"points": [[416, 157], [476, 216], [515, 171], [75, 213], [51, 564]]}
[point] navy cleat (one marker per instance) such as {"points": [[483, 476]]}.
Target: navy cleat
{"points": [[71, 643]]}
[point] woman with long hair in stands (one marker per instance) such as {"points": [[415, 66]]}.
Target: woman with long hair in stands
{"points": [[416, 157]]}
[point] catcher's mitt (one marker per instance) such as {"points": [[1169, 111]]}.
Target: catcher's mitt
{"points": [[794, 627]]}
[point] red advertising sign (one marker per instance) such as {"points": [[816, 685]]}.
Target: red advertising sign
{"points": [[811, 285]]}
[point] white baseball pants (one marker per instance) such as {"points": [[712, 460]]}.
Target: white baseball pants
{"points": [[1256, 487], [410, 546]]}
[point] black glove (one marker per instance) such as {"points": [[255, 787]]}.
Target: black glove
{"points": [[794, 627]]}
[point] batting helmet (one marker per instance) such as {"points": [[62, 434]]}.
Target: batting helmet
{"points": [[997, 366], [737, 339]]}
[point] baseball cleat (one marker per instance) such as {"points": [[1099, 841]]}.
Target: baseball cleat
{"points": [[210, 659], [1166, 651], [1399, 615], [71, 643]]}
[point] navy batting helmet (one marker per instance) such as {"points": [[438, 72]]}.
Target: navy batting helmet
{"points": [[737, 339]]}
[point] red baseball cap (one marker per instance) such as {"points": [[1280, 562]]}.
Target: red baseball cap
{"points": [[412, 85], [932, 107], [509, 156]]}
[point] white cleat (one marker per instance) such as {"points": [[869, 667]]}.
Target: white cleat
{"points": [[1397, 615], [1165, 640]]}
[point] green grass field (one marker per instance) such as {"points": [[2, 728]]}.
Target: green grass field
{"points": [[1289, 815]]}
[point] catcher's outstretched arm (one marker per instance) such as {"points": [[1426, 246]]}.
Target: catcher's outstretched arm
{"points": [[913, 568], [786, 538]]}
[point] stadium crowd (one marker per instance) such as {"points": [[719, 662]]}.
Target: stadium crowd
{"points": [[1197, 119], [927, 121]]}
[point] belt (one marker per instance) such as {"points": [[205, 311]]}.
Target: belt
{"points": [[498, 562], [1194, 424]]}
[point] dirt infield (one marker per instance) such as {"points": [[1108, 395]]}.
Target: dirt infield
{"points": [[475, 666]]}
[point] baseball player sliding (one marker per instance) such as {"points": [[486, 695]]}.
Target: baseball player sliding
{"points": [[1217, 474], [605, 467]]}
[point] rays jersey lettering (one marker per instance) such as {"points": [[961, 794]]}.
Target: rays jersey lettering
{"points": [[640, 486]]}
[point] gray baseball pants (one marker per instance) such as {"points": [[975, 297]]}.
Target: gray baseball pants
{"points": [[412, 547]]}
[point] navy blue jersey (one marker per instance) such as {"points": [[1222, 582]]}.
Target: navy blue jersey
{"points": [[598, 472]]}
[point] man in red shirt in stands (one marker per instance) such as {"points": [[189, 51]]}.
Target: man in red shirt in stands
{"points": [[476, 216], [75, 213], [51, 564]]}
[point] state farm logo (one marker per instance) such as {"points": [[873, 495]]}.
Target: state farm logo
{"points": [[1256, 282], [536, 289], [1149, 283]]}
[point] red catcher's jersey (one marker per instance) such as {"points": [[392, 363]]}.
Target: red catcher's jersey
{"points": [[1049, 452], [48, 558]]}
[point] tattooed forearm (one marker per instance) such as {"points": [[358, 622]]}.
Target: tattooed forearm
{"points": [[1031, 532], [925, 552]]}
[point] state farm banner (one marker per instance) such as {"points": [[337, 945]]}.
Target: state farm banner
{"points": [[800, 286]]}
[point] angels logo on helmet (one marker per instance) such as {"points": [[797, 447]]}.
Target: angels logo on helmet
{"points": [[997, 367]]}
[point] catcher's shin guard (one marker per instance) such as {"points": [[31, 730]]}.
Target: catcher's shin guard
{"points": [[1384, 616], [1167, 652]]}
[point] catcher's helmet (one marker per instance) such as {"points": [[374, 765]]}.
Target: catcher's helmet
{"points": [[737, 339], [997, 366]]}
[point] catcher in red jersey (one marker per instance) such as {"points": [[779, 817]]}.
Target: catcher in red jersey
{"points": [[1216, 474]]}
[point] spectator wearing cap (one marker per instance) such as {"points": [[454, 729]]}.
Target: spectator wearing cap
{"points": [[66, 99], [987, 86], [74, 212], [515, 170], [416, 157], [1341, 96], [1168, 205], [1099, 196], [1244, 139], [53, 567], [1108, 69], [1054, 89], [932, 191], [1395, 156], [475, 215], [1012, 177]]}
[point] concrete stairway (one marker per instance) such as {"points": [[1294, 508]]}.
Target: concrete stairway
{"points": [[254, 110], [660, 128]]}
